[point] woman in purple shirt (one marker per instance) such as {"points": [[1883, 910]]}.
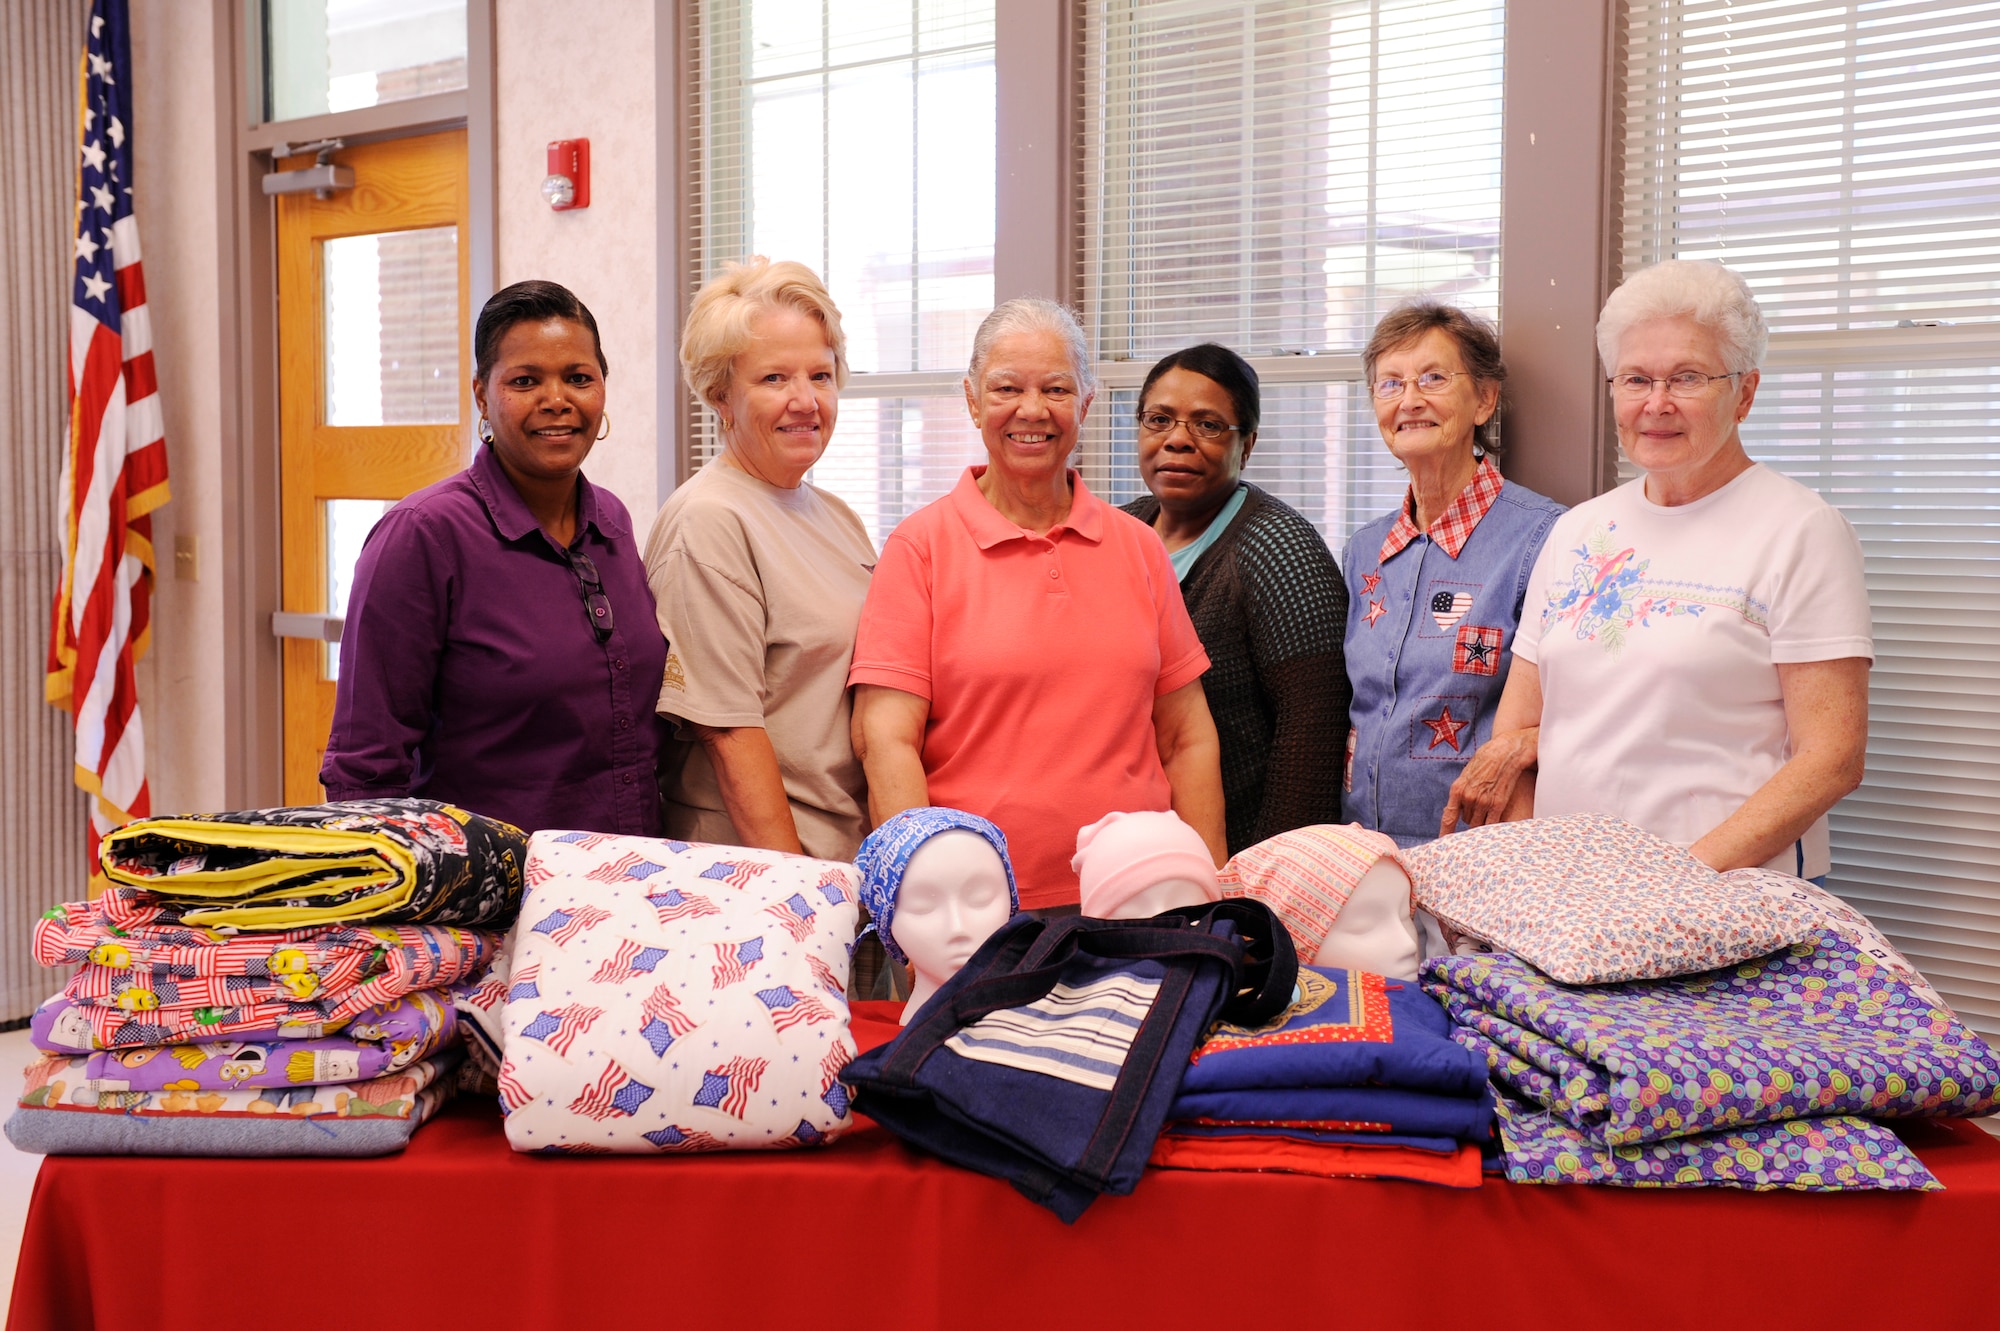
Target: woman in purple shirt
{"points": [[501, 651]]}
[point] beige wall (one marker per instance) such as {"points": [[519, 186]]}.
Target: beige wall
{"points": [[563, 79], [557, 78], [174, 147]]}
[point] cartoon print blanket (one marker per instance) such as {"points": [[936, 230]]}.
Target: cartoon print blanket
{"points": [[62, 1112], [377, 1042], [670, 996], [386, 861], [146, 977], [1813, 1032]]}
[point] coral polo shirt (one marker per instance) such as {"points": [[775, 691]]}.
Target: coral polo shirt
{"points": [[1041, 657]]}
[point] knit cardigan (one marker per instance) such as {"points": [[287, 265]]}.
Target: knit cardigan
{"points": [[1270, 606]]}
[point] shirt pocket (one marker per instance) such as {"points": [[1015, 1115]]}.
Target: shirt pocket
{"points": [[1441, 727]]}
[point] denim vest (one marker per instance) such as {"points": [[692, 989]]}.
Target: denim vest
{"points": [[1429, 640]]}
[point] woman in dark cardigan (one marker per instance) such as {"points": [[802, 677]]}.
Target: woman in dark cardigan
{"points": [[1263, 591]]}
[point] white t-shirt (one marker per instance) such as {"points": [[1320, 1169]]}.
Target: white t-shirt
{"points": [[1658, 633]]}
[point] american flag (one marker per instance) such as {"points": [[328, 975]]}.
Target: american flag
{"points": [[614, 1093], [674, 904], [733, 873], [808, 1135], [512, 1094], [563, 925], [734, 960], [827, 979], [490, 993], [730, 1086], [832, 1089], [114, 471], [585, 840], [632, 959], [795, 914], [665, 1021], [672, 1138], [559, 1029], [538, 873], [788, 1008], [833, 886], [625, 867], [524, 985]]}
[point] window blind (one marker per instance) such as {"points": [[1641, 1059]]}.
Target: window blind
{"points": [[1839, 156], [1275, 177], [857, 137]]}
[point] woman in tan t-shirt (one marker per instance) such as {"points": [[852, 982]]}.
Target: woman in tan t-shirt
{"points": [[759, 577]]}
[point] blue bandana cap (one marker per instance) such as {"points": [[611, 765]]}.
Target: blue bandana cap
{"points": [[885, 856]]}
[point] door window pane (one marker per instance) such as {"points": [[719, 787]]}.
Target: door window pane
{"points": [[337, 55], [392, 328], [348, 522]]}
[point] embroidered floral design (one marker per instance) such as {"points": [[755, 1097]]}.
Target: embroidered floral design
{"points": [[1609, 594]]}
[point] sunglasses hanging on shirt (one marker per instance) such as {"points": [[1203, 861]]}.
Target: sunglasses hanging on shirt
{"points": [[595, 603]]}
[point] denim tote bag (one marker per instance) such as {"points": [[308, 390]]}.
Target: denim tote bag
{"points": [[1052, 1057]]}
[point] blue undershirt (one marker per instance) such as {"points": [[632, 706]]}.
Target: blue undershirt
{"points": [[1183, 558]]}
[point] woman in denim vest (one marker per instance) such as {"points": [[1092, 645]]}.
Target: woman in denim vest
{"points": [[1435, 588]]}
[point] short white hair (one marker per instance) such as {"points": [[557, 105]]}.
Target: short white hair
{"points": [[1031, 314], [1703, 289]]}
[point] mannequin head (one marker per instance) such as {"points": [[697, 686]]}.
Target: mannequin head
{"points": [[953, 896], [937, 883], [1374, 931], [1341, 893], [1132, 866]]}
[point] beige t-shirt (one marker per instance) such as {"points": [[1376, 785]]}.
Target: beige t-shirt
{"points": [[759, 592]]}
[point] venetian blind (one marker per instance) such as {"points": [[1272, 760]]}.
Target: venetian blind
{"points": [[857, 137], [1840, 156], [1275, 177]]}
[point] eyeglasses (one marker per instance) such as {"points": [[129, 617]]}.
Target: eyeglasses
{"points": [[595, 603], [1688, 383], [1158, 422], [1430, 383]]}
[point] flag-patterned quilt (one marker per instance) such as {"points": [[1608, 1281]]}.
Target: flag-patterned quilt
{"points": [[673, 996]]}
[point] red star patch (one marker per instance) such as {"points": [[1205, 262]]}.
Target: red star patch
{"points": [[1370, 581], [1444, 730], [1375, 611]]}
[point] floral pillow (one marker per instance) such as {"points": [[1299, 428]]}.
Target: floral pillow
{"points": [[1587, 898], [667, 996]]}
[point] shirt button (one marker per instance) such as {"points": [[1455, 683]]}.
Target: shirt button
{"points": [[618, 665], [628, 778], [624, 723], [1054, 574]]}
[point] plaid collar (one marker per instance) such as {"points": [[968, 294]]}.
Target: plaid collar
{"points": [[1451, 531]]}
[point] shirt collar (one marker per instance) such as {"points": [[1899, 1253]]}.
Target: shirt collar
{"points": [[1455, 525], [510, 512], [989, 528]]}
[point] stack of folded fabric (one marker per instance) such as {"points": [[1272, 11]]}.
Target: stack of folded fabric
{"points": [[277, 989], [1652, 1023], [1359, 1076], [1762, 1075]]}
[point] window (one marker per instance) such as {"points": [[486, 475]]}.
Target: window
{"points": [[1275, 177], [857, 136], [323, 56], [1839, 156]]}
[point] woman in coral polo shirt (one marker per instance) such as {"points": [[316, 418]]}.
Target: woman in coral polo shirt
{"points": [[1024, 653]]}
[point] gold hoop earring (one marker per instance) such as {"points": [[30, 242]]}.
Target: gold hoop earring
{"points": [[604, 429], [484, 430]]}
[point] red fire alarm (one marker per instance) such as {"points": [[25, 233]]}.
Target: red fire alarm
{"points": [[567, 185]]}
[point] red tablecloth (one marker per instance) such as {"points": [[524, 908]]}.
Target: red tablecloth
{"points": [[459, 1231]]}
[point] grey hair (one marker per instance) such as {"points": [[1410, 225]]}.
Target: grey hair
{"points": [[1703, 289], [1032, 314]]}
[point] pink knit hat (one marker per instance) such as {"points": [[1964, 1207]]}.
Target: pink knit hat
{"points": [[1306, 876], [1122, 854]]}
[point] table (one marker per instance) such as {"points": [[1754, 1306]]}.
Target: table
{"points": [[460, 1231]]}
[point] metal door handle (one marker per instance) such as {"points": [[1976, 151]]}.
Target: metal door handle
{"points": [[316, 628]]}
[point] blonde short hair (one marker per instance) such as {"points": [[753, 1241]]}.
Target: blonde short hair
{"points": [[1710, 294], [718, 327]]}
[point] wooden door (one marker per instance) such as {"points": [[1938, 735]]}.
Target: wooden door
{"points": [[374, 349]]}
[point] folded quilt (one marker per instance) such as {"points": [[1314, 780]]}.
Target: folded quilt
{"points": [[391, 861], [150, 979], [1368, 1109], [1836, 1153], [1343, 1028], [376, 1043], [1458, 1169], [1814, 1030], [60, 1117], [1312, 1136]]}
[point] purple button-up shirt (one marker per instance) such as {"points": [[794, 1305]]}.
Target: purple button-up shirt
{"points": [[469, 671]]}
